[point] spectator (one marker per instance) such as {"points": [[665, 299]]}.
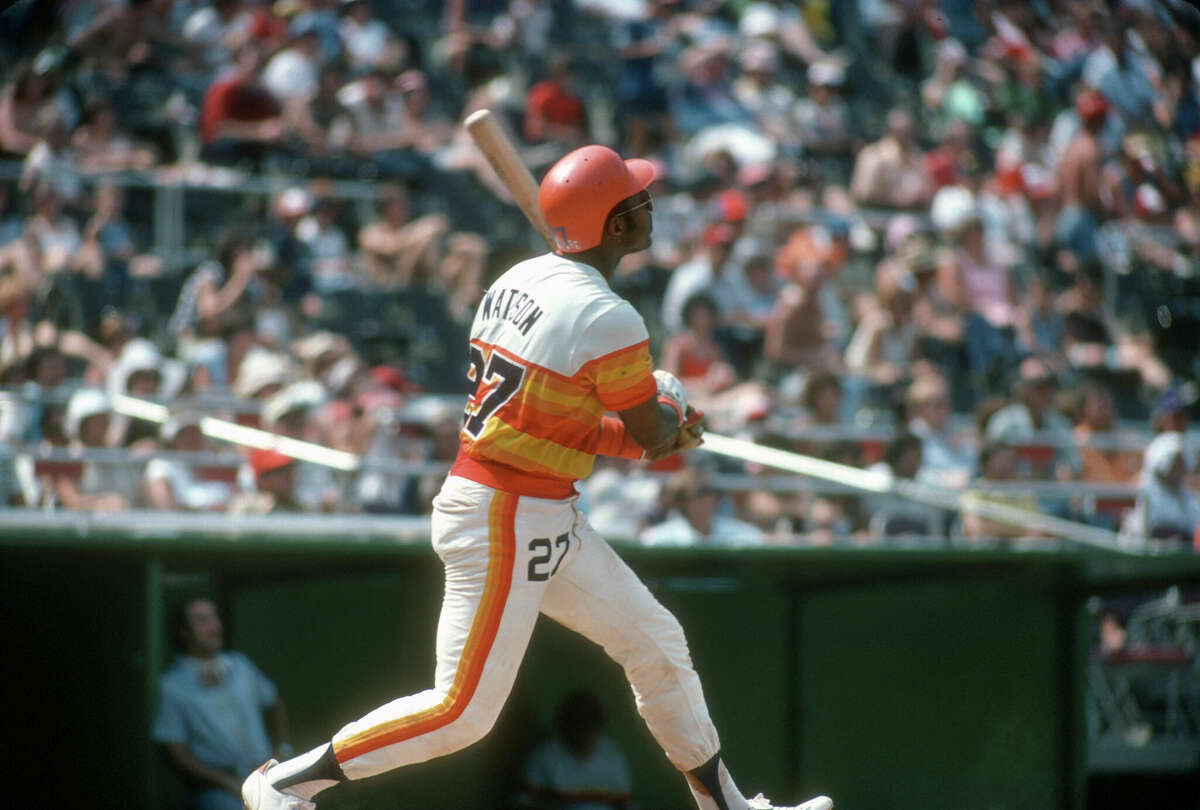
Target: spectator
{"points": [[799, 334], [1031, 418], [1078, 180], [705, 98], [997, 464], [695, 517], [57, 235], [322, 123], [217, 714], [369, 43], [274, 486], [52, 160], [1094, 341], [823, 120], [749, 293], [173, 483], [376, 117], [884, 343], [699, 273], [1100, 463], [328, 248], [580, 768], [216, 298], [240, 119], [291, 412], [217, 29], [292, 72], [261, 373], [898, 517], [950, 93], [1166, 508], [553, 109], [102, 486], [395, 246], [429, 130], [759, 90], [102, 145], [889, 172], [945, 459], [642, 101]]}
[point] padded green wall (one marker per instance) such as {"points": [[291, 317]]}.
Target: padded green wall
{"points": [[887, 680]]}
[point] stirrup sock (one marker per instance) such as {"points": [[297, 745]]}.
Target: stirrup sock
{"points": [[722, 792], [308, 774]]}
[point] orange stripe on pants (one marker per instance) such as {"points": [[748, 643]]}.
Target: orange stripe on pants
{"points": [[502, 551]]}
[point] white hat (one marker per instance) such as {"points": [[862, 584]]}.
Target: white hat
{"points": [[259, 368], [177, 422], [952, 208], [1162, 452], [760, 20], [293, 202], [303, 395], [827, 74], [83, 403], [137, 355], [311, 347]]}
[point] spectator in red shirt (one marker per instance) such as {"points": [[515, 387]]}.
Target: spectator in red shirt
{"points": [[553, 111], [240, 119]]}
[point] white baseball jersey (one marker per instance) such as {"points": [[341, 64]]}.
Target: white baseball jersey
{"points": [[552, 348]]}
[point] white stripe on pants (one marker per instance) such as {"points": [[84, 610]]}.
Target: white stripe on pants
{"points": [[558, 565]]}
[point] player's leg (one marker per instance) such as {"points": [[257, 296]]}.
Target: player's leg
{"points": [[601, 598], [488, 612]]}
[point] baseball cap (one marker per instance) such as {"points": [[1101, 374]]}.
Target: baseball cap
{"points": [[263, 461], [177, 422], [299, 396], [84, 403]]}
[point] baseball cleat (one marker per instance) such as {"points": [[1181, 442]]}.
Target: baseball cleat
{"points": [[761, 802], [260, 794]]}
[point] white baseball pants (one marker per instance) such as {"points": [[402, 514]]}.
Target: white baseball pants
{"points": [[507, 558]]}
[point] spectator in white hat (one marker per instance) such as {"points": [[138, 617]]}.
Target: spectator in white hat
{"points": [[1166, 508], [289, 413], [823, 119], [102, 486], [261, 374]]}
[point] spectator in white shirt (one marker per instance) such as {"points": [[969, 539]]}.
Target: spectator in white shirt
{"points": [[368, 43], [173, 484], [695, 519], [292, 73]]}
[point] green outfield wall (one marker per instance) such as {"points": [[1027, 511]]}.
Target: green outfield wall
{"points": [[887, 678]]}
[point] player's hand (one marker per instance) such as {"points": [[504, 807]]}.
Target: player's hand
{"points": [[690, 436]]}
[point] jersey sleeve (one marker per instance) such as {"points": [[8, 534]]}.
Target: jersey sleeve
{"points": [[615, 350]]}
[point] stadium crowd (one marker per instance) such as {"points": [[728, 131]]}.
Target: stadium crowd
{"points": [[955, 241]]}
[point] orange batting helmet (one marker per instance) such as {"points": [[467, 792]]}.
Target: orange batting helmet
{"points": [[581, 189]]}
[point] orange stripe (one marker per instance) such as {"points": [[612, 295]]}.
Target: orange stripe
{"points": [[501, 553], [604, 361]]}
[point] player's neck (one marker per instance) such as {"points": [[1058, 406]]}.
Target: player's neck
{"points": [[604, 260]]}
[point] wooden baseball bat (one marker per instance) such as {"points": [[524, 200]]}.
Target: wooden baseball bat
{"points": [[500, 152], [495, 144]]}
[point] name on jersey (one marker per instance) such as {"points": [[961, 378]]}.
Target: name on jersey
{"points": [[514, 306]]}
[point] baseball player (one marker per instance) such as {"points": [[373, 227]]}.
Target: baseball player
{"points": [[552, 348]]}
